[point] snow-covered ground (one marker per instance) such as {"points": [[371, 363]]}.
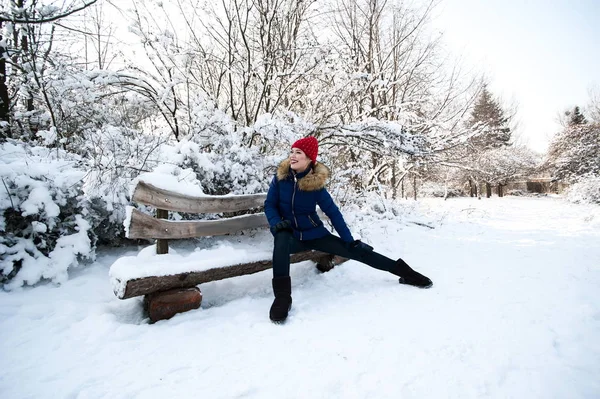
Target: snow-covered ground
{"points": [[514, 313]]}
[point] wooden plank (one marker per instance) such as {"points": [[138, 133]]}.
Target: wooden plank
{"points": [[147, 285], [145, 226], [148, 194]]}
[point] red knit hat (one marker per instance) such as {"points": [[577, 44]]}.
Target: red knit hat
{"points": [[309, 145]]}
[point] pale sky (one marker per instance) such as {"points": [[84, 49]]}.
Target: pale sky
{"points": [[543, 54]]}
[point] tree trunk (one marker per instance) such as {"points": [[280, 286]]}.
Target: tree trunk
{"points": [[4, 98], [500, 193], [25, 50], [415, 187], [402, 187], [472, 188], [488, 189], [394, 188]]}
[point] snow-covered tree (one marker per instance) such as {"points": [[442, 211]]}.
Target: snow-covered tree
{"points": [[585, 190], [500, 165], [249, 58], [485, 157], [27, 29], [575, 152], [370, 83], [489, 118], [593, 107], [575, 117]]}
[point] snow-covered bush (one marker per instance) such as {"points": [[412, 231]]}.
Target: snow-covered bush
{"points": [[42, 215], [517, 193], [113, 158], [222, 155], [372, 208], [227, 169], [524, 193], [215, 158], [586, 190], [439, 190]]}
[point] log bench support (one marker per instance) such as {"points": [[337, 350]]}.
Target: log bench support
{"points": [[162, 245], [163, 305]]}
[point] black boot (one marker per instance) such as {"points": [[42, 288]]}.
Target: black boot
{"points": [[282, 288], [409, 276]]}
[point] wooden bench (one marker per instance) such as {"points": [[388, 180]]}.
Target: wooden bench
{"points": [[168, 294]]}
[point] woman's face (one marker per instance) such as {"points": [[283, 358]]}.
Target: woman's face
{"points": [[298, 160]]}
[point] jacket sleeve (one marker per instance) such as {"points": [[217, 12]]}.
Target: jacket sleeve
{"points": [[326, 203], [271, 208]]}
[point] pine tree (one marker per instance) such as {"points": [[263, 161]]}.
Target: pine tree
{"points": [[488, 117], [575, 117]]}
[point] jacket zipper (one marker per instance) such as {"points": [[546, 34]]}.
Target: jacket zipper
{"points": [[293, 197]]}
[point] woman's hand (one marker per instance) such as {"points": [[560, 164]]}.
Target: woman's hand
{"points": [[358, 244], [281, 226]]}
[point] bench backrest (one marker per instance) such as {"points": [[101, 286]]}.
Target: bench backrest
{"points": [[143, 226]]}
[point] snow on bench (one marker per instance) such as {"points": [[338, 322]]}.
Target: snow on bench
{"points": [[147, 264]]}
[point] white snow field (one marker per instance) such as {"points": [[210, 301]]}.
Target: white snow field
{"points": [[514, 313]]}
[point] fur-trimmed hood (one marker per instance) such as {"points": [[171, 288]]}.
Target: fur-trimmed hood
{"points": [[314, 180]]}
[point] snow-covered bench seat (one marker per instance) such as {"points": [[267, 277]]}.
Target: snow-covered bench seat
{"points": [[169, 281]]}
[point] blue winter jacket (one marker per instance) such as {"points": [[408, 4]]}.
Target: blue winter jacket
{"points": [[294, 197]]}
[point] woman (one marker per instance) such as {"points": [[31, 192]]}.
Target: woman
{"points": [[295, 191]]}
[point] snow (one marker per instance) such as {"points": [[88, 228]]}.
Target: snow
{"points": [[514, 312], [172, 178], [127, 221]]}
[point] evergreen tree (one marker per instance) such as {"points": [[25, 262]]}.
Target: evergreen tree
{"points": [[575, 152], [489, 118], [575, 117]]}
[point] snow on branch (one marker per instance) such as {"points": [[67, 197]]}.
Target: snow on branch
{"points": [[42, 13]]}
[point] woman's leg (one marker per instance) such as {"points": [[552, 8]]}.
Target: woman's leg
{"points": [[334, 245], [284, 245]]}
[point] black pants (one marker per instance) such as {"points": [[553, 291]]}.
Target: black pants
{"points": [[286, 244]]}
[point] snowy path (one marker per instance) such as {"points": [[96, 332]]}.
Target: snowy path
{"points": [[514, 313]]}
